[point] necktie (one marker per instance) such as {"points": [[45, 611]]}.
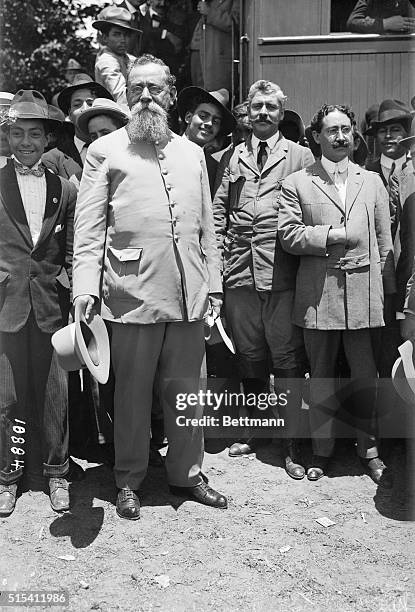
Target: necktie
{"points": [[39, 171], [262, 155]]}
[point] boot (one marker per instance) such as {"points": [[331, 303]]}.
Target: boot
{"points": [[292, 458]]}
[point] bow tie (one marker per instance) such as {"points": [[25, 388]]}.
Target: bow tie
{"points": [[21, 169]]}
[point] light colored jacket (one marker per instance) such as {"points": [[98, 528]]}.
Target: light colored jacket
{"points": [[111, 72], [246, 211], [145, 241], [338, 286]]}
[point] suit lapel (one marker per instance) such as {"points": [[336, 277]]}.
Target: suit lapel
{"points": [[278, 153], [354, 185], [52, 207], [322, 180], [246, 156], [12, 200]]}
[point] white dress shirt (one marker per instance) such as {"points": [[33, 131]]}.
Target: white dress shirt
{"points": [[271, 143], [33, 192], [386, 164], [338, 172], [82, 147]]}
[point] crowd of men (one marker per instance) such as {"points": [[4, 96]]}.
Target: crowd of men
{"points": [[105, 209]]}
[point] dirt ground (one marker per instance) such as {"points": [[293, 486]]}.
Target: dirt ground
{"points": [[265, 552]]}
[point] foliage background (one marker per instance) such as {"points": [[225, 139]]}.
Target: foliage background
{"points": [[37, 37]]}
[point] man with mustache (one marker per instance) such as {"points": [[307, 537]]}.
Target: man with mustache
{"points": [[145, 255], [335, 216], [259, 277]]}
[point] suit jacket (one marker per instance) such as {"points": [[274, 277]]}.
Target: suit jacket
{"points": [[144, 224], [68, 147], [216, 54], [338, 286], [367, 15], [407, 242], [374, 166], [35, 277], [111, 72], [245, 209]]}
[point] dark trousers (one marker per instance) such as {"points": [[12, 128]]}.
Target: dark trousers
{"points": [[322, 348], [33, 403]]}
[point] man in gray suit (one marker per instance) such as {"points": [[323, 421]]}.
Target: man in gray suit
{"points": [[335, 216]]}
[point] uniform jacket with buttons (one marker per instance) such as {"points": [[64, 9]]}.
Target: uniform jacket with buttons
{"points": [[35, 277], [144, 235], [246, 213], [338, 286]]}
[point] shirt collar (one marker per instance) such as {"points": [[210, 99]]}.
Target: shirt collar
{"points": [[330, 166], [144, 10], [79, 144], [271, 142], [130, 7], [34, 167], [387, 162]]}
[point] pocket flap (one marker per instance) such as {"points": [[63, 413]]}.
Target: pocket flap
{"points": [[351, 262], [126, 254], [4, 277]]}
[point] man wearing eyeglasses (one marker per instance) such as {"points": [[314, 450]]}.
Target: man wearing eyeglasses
{"points": [[145, 255], [73, 100], [335, 216]]}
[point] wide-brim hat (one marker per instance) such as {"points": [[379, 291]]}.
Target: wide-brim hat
{"points": [[403, 372], [410, 140], [220, 98], [28, 104], [390, 111], [291, 116], [114, 15], [81, 81], [101, 106], [84, 345], [5, 98], [73, 65]]}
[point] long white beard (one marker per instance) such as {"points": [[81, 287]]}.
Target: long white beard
{"points": [[148, 123]]}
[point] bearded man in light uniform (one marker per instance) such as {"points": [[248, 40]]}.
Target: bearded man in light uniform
{"points": [[144, 224]]}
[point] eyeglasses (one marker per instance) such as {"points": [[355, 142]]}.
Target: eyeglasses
{"points": [[154, 90], [344, 129]]}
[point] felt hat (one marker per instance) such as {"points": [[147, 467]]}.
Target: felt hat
{"points": [[102, 106], [410, 140], [84, 345], [291, 117], [73, 65], [81, 81], [403, 372], [5, 98], [114, 15], [220, 98], [390, 111], [28, 104]]}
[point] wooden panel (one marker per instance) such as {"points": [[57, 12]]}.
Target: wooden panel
{"points": [[292, 17], [357, 79]]}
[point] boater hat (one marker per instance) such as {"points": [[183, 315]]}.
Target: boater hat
{"points": [[403, 372], [220, 98], [390, 111], [102, 106], [81, 345], [81, 81], [114, 15]]}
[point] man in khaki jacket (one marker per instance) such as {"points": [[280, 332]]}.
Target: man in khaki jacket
{"points": [[145, 253]]}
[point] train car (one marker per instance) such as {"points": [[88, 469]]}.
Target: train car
{"points": [[303, 45]]}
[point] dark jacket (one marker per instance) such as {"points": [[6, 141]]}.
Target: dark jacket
{"points": [[406, 260], [35, 278], [368, 15]]}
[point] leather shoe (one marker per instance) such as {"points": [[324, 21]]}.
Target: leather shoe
{"points": [[238, 449], [128, 504], [292, 467], [59, 494], [203, 494], [317, 468], [378, 472], [7, 499]]}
